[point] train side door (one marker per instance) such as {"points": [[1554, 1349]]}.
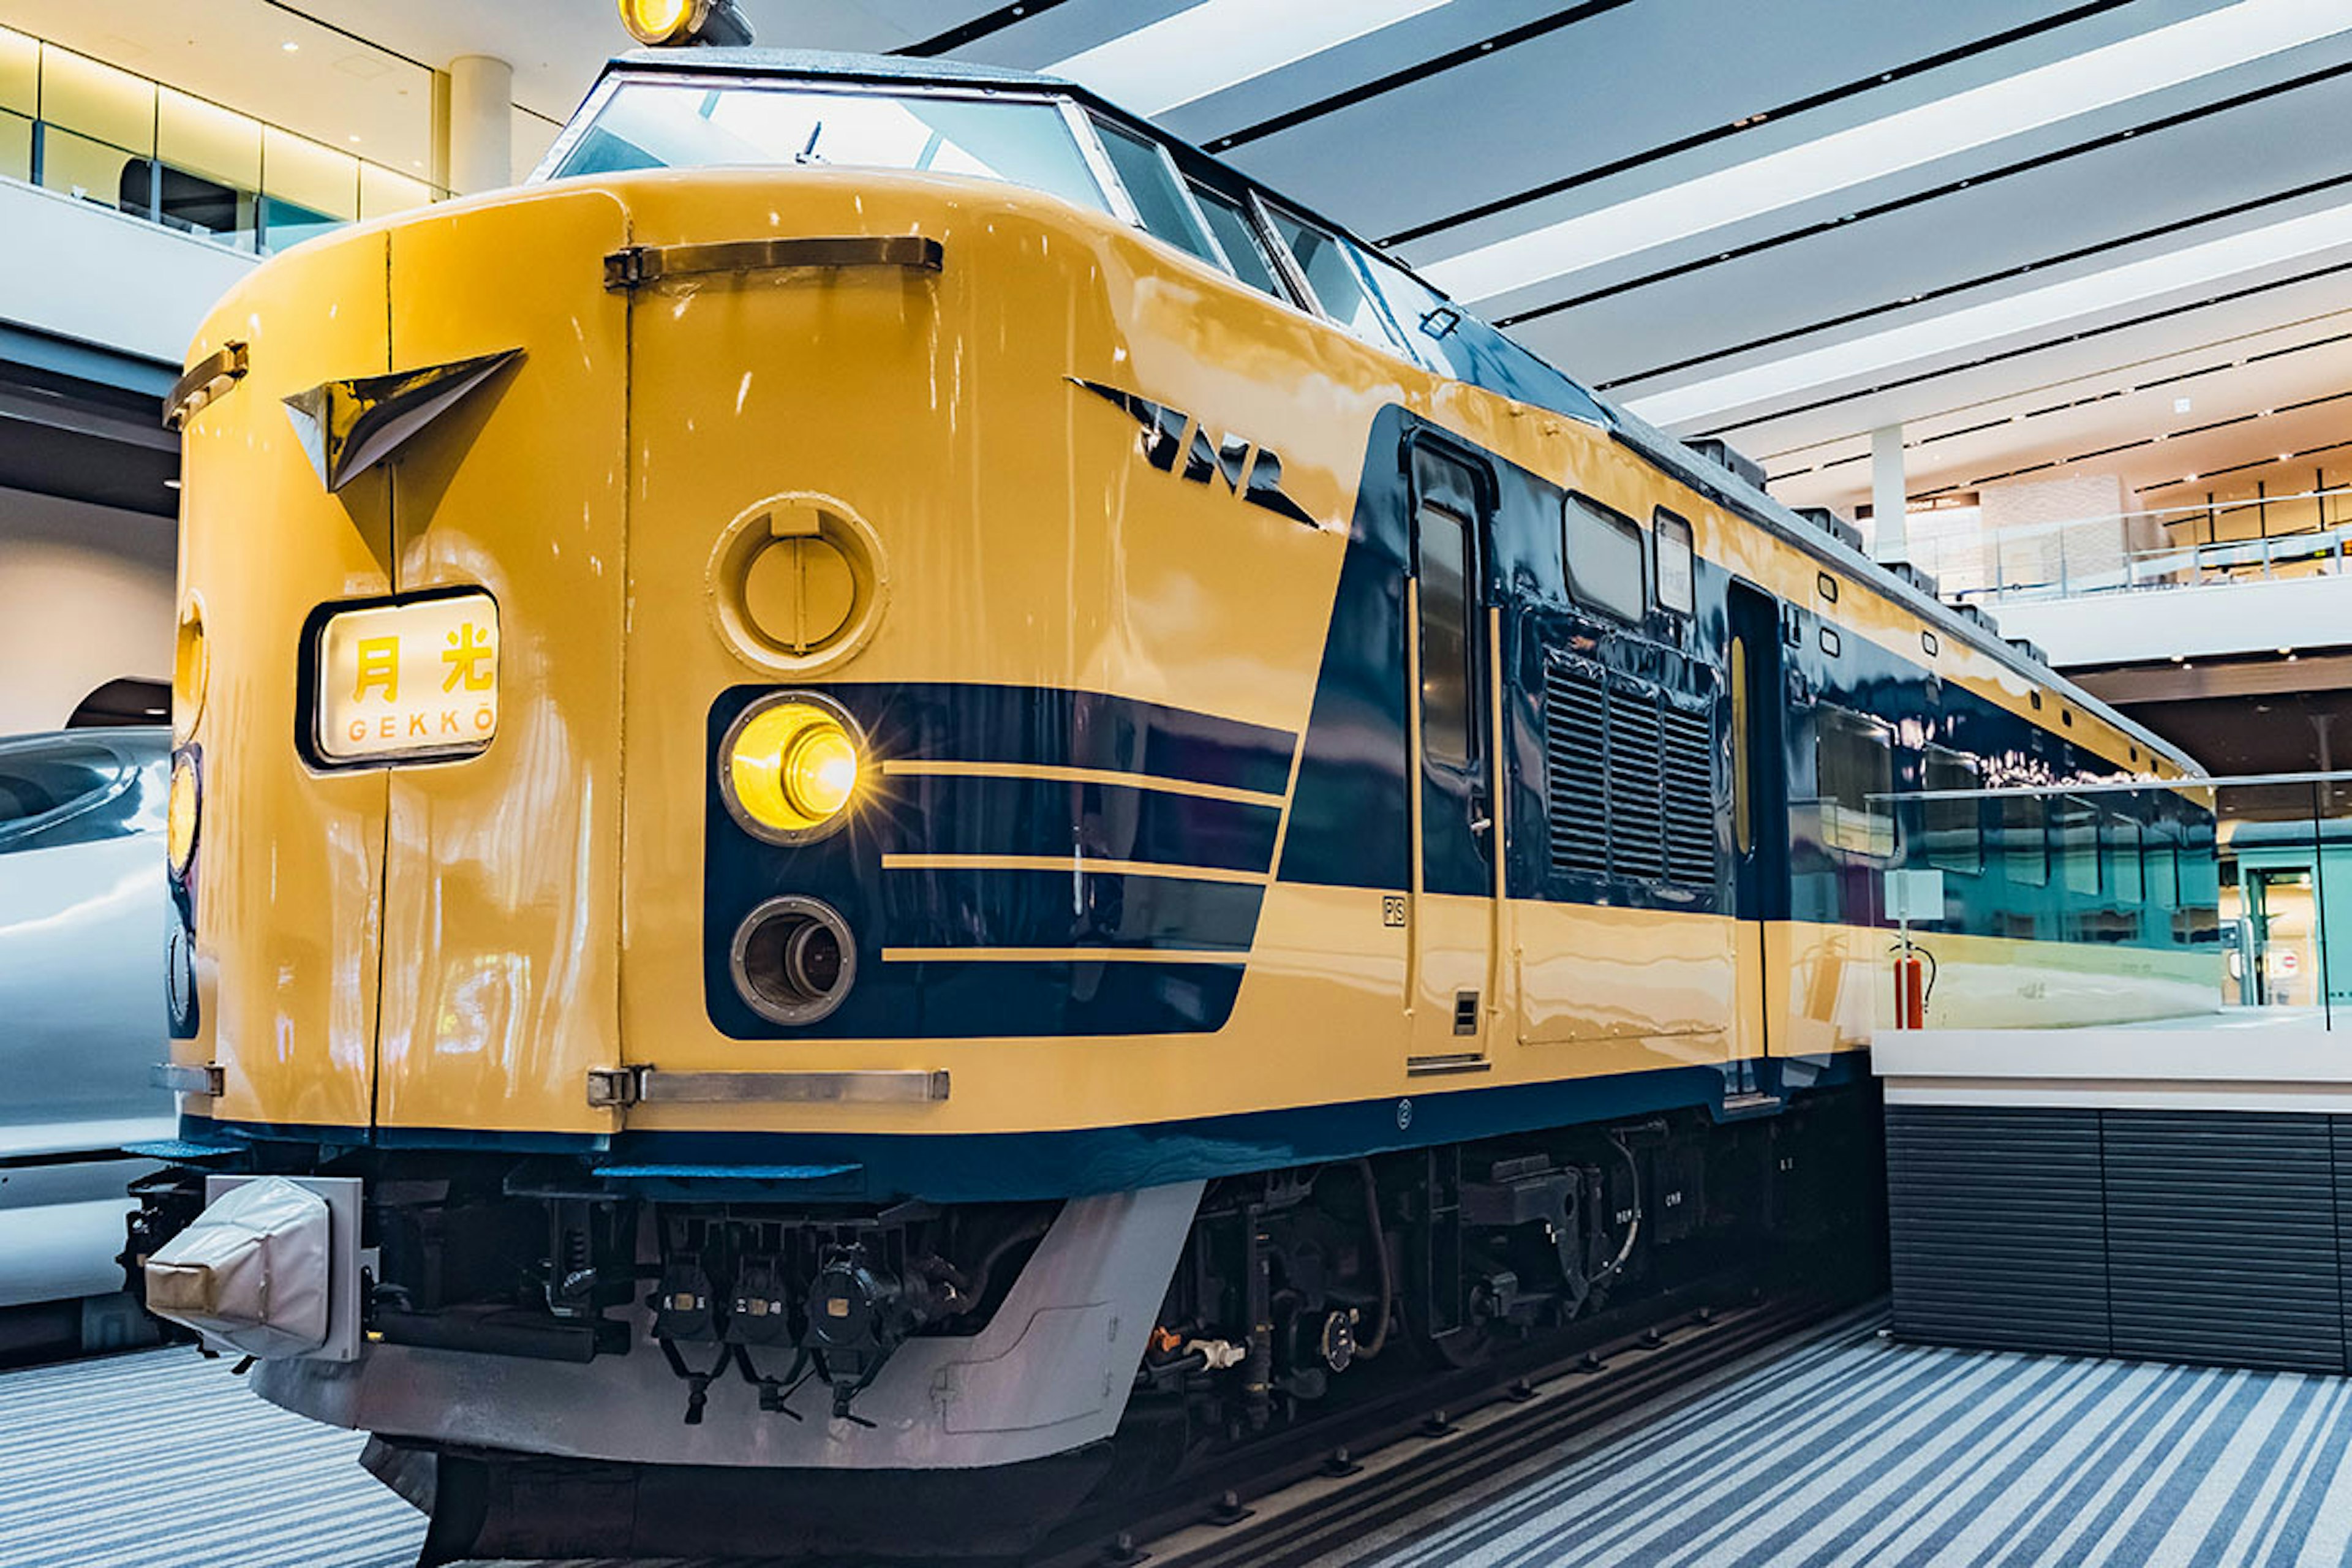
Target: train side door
{"points": [[1760, 812], [1456, 848]]}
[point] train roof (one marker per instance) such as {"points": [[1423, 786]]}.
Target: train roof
{"points": [[1717, 482]]}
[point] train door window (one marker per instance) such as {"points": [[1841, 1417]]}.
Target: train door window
{"points": [[1604, 552], [1160, 199], [1743, 789], [1331, 277], [1676, 590], [2024, 841], [1448, 726], [1854, 761], [1953, 830], [2076, 826], [2125, 880], [2160, 862], [1238, 237]]}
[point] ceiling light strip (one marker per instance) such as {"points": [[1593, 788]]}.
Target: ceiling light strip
{"points": [[1765, 417], [1977, 117], [2006, 274], [1932, 193], [2172, 378], [2035, 310], [1217, 44], [1485, 48], [1697, 139], [2005, 421]]}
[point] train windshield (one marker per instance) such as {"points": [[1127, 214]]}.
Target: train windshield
{"points": [[661, 125]]}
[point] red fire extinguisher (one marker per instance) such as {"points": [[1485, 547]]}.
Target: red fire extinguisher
{"points": [[1910, 989]]}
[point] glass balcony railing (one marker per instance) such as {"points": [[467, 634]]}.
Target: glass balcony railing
{"points": [[104, 135], [2197, 903], [2229, 539]]}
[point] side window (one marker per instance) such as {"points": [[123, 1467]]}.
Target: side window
{"points": [[1604, 552], [1452, 341], [1676, 590], [1332, 277], [1743, 786], [2077, 826], [1447, 713], [1953, 830], [2162, 861], [1854, 758], [2024, 844], [1151, 185], [1238, 235], [2123, 877], [1432, 325]]}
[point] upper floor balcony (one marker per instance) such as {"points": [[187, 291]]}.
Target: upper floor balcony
{"points": [[121, 142]]}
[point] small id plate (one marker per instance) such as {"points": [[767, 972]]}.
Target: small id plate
{"points": [[408, 683]]}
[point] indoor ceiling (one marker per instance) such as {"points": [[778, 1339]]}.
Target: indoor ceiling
{"points": [[2106, 236]]}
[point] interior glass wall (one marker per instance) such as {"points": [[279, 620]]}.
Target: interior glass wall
{"points": [[104, 135]]}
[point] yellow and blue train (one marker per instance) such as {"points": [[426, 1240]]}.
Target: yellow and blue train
{"points": [[891, 772]]}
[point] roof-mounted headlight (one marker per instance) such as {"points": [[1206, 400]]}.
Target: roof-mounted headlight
{"points": [[663, 24]]}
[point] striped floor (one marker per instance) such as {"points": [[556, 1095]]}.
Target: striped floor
{"points": [[1854, 1450], [1846, 1449], [163, 1459]]}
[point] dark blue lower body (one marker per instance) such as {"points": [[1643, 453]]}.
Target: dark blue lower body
{"points": [[997, 1166]]}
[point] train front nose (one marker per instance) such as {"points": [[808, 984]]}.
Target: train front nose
{"points": [[405, 532]]}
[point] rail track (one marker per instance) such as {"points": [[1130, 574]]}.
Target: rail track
{"points": [[1297, 1496]]}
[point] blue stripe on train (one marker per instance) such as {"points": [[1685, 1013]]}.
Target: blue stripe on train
{"points": [[959, 816], [1112, 909], [985, 1167], [1350, 825], [965, 907]]}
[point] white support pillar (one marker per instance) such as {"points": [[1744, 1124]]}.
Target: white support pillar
{"points": [[481, 124], [1888, 496]]}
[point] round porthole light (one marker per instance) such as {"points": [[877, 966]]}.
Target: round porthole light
{"points": [[191, 670], [793, 960], [181, 808], [790, 767]]}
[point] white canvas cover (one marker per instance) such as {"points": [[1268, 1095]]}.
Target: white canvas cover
{"points": [[252, 1272]]}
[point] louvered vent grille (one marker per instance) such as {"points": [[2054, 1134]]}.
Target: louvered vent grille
{"points": [[1689, 766], [1574, 763], [1629, 778], [1637, 819]]}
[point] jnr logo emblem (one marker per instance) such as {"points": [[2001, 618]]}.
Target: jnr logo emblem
{"points": [[1161, 432]]}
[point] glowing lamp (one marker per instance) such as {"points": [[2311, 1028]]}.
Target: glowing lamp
{"points": [[789, 768]]}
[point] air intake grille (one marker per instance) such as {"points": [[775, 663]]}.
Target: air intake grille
{"points": [[1689, 789], [1637, 806], [1629, 778], [1575, 761]]}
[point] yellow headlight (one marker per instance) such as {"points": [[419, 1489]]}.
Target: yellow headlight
{"points": [[181, 810], [791, 769], [654, 23]]}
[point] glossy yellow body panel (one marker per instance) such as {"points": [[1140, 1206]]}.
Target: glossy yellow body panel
{"points": [[501, 974], [541, 905], [289, 870]]}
